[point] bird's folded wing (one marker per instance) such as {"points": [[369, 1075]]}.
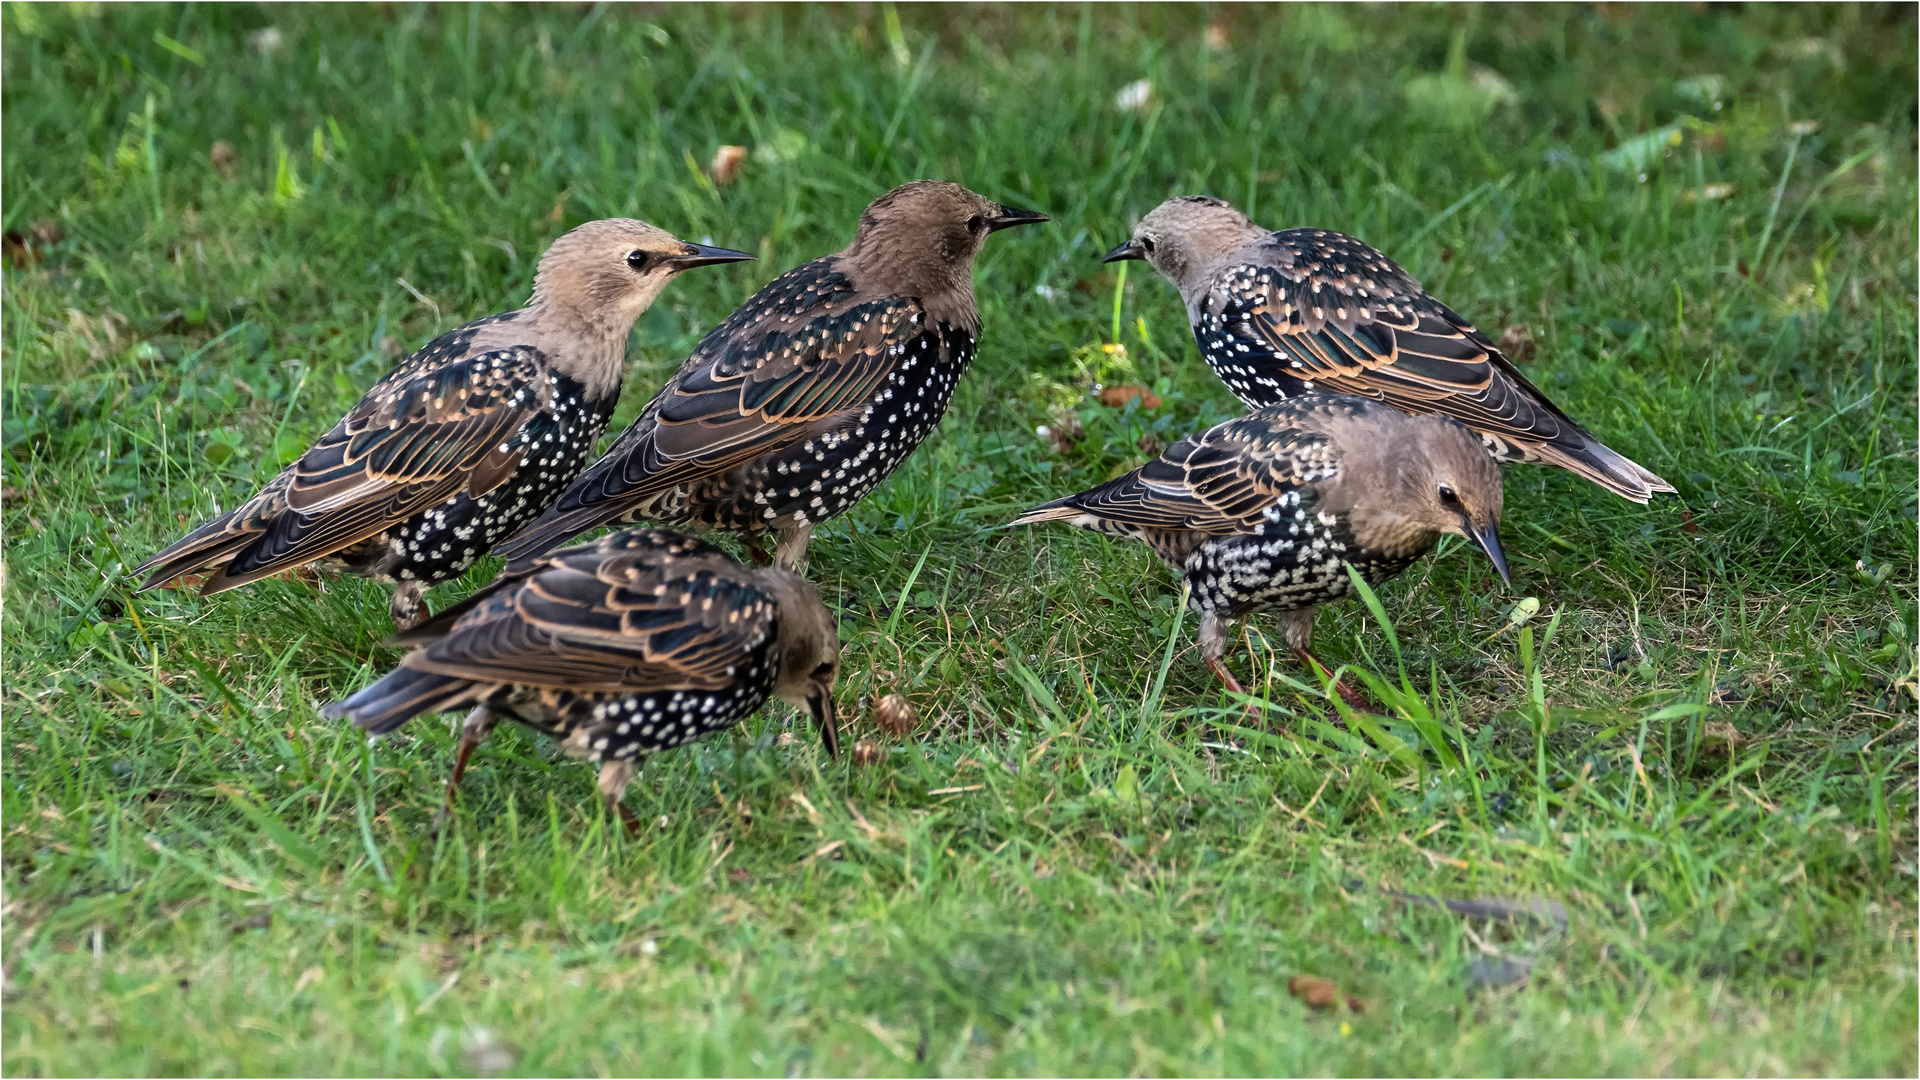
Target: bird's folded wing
{"points": [[1219, 482], [740, 396], [1409, 351], [417, 439], [614, 616]]}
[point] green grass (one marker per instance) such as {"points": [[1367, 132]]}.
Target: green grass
{"points": [[1084, 861]]}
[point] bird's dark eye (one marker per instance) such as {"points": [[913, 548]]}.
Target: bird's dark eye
{"points": [[637, 260], [1447, 497], [976, 223], [1146, 245], [823, 670]]}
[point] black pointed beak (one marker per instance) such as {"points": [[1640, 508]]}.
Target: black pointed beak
{"points": [[702, 255], [1009, 216], [1132, 249], [1489, 541], [820, 704]]}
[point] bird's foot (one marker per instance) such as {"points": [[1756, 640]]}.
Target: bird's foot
{"points": [[408, 607], [756, 549], [1352, 697]]}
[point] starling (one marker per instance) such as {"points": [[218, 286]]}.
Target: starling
{"points": [[810, 394], [467, 440], [1262, 513], [644, 640], [1278, 314]]}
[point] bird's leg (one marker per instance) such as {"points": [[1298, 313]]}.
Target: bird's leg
{"points": [[756, 549], [791, 552], [1353, 697], [407, 607], [1213, 650], [614, 778], [473, 732]]}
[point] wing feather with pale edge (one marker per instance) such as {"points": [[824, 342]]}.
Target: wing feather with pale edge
{"points": [[635, 611], [417, 439], [1219, 482], [795, 358]]}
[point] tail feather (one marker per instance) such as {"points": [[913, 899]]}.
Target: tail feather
{"points": [[554, 528], [1058, 510], [1603, 466], [402, 695], [210, 547]]}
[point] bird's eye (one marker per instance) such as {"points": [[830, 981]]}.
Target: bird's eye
{"points": [[1146, 245], [637, 260], [823, 670], [976, 223], [1447, 497]]}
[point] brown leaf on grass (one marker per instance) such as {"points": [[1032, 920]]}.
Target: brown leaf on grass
{"points": [[728, 161], [253, 922], [1117, 397], [1687, 524], [19, 254], [895, 715], [1720, 737], [1322, 994], [225, 159], [1517, 342]]}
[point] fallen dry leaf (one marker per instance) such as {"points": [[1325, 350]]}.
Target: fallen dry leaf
{"points": [[1320, 993], [19, 254], [895, 715], [1720, 737], [1517, 342], [727, 163], [1118, 396]]}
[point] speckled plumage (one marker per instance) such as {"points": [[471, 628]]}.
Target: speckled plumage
{"points": [[1264, 513], [641, 641], [1277, 314], [464, 442], [810, 394]]}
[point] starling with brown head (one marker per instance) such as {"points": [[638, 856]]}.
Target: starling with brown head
{"points": [[641, 641], [1278, 314], [1265, 513], [810, 394], [464, 442]]}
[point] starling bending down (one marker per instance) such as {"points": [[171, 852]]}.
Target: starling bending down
{"points": [[467, 440], [1262, 513], [1283, 313], [810, 394], [643, 640]]}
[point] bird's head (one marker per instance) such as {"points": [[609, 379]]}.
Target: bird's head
{"points": [[606, 273], [921, 238], [1409, 478], [1186, 235], [808, 644]]}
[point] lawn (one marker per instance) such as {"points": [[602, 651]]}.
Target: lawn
{"points": [[1688, 779]]}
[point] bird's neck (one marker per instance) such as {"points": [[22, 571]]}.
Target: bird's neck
{"points": [[588, 347]]}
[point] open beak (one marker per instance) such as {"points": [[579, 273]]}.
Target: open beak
{"points": [[1489, 541], [1132, 249], [702, 255], [1009, 216], [820, 704]]}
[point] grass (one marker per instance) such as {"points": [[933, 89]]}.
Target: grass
{"points": [[1084, 861]]}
